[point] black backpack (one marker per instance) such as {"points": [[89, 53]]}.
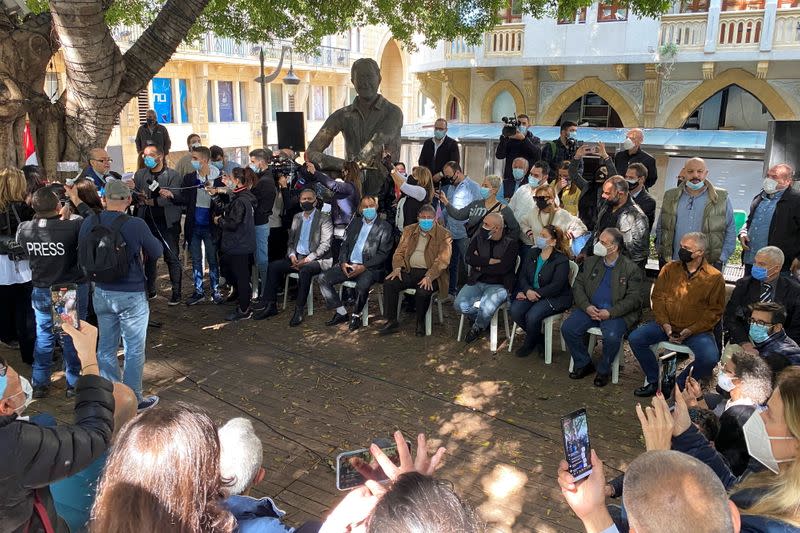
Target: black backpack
{"points": [[103, 254]]}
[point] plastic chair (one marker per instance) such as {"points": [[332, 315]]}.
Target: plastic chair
{"points": [[548, 324], [309, 300], [365, 311], [594, 333], [492, 326], [428, 314]]}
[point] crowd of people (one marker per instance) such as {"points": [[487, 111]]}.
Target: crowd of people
{"points": [[543, 239]]}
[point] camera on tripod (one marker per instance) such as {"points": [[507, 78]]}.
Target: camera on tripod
{"points": [[280, 165], [511, 126]]}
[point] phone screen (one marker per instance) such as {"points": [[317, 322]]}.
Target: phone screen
{"points": [[355, 467], [667, 370], [64, 301], [575, 433]]}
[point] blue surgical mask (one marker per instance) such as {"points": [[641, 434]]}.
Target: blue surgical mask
{"points": [[217, 164], [485, 192], [150, 161], [254, 168], [439, 134], [196, 165], [370, 213], [522, 129], [533, 181], [573, 135], [759, 333], [426, 224], [759, 273], [518, 173], [695, 186], [540, 242]]}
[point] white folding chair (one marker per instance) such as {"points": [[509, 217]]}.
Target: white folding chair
{"points": [[492, 326], [309, 300], [365, 311], [548, 324], [594, 333], [428, 314], [666, 345]]}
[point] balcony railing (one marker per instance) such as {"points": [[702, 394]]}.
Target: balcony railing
{"points": [[458, 49], [212, 45], [787, 27], [688, 30], [740, 29], [505, 40]]}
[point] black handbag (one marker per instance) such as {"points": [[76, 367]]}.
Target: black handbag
{"points": [[8, 242]]}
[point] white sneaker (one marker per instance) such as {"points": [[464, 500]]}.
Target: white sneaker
{"points": [[147, 403]]}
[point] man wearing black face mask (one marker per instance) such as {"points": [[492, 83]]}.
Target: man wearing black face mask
{"points": [[621, 212], [153, 133], [492, 255]]}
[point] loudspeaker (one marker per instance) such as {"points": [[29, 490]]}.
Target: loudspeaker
{"points": [[783, 138], [291, 133]]}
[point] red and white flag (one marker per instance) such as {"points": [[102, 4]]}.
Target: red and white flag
{"points": [[30, 149]]}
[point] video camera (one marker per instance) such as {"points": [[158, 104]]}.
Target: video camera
{"points": [[280, 165], [511, 125]]}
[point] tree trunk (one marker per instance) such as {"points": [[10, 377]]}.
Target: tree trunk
{"points": [[100, 79]]}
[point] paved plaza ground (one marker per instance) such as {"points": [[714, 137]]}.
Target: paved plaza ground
{"points": [[314, 391]]}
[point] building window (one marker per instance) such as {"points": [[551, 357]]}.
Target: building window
{"points": [[351, 95], [512, 13], [593, 110], [786, 4], [51, 86], [242, 102], [183, 101], [316, 103], [579, 18], [225, 97], [355, 39], [742, 5], [694, 6], [452, 109], [276, 98], [210, 101], [612, 12]]}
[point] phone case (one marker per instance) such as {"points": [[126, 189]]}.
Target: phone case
{"points": [[576, 443]]}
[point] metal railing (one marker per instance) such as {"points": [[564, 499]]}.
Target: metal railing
{"points": [[213, 45]]}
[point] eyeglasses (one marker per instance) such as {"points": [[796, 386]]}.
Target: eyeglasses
{"points": [[106, 160], [760, 323], [3, 368]]}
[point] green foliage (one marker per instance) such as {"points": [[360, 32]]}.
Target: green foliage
{"points": [[305, 22]]}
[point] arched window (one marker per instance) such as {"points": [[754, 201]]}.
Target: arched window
{"points": [[591, 109], [503, 106], [452, 109], [732, 108]]}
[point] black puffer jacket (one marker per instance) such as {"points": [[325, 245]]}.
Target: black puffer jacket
{"points": [[238, 226], [32, 457]]}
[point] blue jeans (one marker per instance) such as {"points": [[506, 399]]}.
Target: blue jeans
{"points": [[488, 296], [529, 316], [125, 315], [46, 339], [262, 255], [703, 345], [574, 328], [457, 257], [201, 236]]}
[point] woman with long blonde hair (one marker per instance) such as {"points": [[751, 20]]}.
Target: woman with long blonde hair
{"points": [[416, 191], [16, 314]]}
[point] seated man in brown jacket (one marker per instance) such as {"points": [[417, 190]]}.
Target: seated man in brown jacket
{"points": [[420, 262], [688, 300]]}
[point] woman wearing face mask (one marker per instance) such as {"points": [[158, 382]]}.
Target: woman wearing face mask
{"points": [[346, 193], [768, 499], [543, 287], [475, 212], [238, 239], [546, 212]]}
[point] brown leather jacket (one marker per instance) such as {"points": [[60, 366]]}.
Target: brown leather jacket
{"points": [[437, 253]]}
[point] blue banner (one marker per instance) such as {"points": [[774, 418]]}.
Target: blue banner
{"points": [[184, 105], [225, 95], [162, 99]]}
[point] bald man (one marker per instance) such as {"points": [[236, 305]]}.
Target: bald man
{"points": [[696, 206], [99, 168], [632, 152], [492, 254]]}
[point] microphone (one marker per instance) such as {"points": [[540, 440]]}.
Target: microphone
{"points": [[153, 186]]}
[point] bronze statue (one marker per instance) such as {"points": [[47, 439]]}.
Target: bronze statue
{"points": [[370, 125]]}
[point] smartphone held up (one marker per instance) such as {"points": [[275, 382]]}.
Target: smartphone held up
{"points": [[64, 306], [577, 450], [355, 467]]}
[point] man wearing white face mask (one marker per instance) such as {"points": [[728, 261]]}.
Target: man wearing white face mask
{"points": [[32, 457], [774, 219], [696, 206], [632, 152]]}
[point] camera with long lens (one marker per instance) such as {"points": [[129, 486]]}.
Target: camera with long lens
{"points": [[510, 125], [282, 165]]}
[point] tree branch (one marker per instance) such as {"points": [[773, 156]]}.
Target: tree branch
{"points": [[155, 47]]}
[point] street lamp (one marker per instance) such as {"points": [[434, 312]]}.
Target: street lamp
{"points": [[290, 79]]}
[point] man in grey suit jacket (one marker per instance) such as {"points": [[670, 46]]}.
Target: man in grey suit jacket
{"points": [[158, 198], [308, 254], [367, 244]]}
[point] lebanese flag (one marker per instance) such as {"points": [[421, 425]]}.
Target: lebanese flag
{"points": [[30, 150]]}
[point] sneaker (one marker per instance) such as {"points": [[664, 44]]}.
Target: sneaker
{"points": [[218, 298], [175, 299], [152, 294], [195, 298], [41, 391], [238, 314], [147, 403], [70, 392]]}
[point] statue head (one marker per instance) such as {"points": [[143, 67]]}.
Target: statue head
{"points": [[366, 77]]}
